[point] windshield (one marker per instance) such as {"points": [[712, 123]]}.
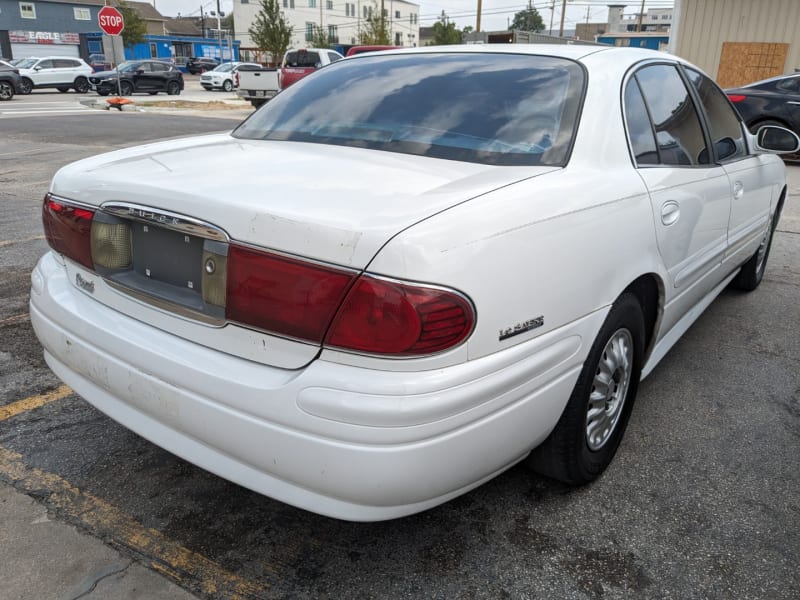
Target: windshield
{"points": [[26, 63], [129, 67], [502, 109], [223, 68]]}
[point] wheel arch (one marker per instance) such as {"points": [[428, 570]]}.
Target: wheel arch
{"points": [[649, 290]]}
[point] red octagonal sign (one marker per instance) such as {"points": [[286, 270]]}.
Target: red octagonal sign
{"points": [[110, 20]]}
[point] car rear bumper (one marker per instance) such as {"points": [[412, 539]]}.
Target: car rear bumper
{"points": [[344, 441]]}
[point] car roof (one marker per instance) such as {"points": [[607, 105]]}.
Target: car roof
{"points": [[771, 80], [569, 51]]}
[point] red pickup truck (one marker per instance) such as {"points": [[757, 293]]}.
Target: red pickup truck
{"points": [[299, 63]]}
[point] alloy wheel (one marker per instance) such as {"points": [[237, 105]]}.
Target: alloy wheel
{"points": [[609, 389]]}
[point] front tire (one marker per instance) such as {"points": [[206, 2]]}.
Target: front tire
{"points": [[125, 88], [81, 85], [25, 86], [6, 91], [227, 85], [587, 435], [63, 90]]}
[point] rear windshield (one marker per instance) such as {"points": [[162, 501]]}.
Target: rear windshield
{"points": [[301, 58], [501, 109]]}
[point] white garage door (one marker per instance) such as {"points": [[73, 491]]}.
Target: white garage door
{"points": [[26, 50]]}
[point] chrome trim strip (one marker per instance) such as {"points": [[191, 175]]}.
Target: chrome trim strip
{"points": [[166, 219], [175, 310], [73, 203]]}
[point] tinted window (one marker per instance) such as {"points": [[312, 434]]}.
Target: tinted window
{"points": [[678, 133], [302, 58], [498, 109], [45, 64], [639, 129], [333, 57], [159, 67], [64, 63], [791, 85], [723, 124]]}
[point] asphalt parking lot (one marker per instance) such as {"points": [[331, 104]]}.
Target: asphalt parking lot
{"points": [[702, 500]]}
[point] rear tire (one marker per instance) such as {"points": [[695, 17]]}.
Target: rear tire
{"points": [[590, 429], [25, 86], [103, 92], [749, 278], [63, 90], [257, 103], [173, 88]]}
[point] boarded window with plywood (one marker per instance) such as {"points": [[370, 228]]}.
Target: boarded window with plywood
{"points": [[745, 62]]}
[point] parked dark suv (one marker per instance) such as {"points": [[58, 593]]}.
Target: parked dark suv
{"points": [[201, 65], [151, 76], [9, 81]]}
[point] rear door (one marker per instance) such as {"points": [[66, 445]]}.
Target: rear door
{"points": [[690, 195], [751, 189]]}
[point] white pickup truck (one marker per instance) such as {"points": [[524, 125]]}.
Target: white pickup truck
{"points": [[259, 86]]}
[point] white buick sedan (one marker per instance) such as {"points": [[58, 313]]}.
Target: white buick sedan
{"points": [[433, 264]]}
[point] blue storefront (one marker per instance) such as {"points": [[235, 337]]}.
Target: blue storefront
{"points": [[652, 41], [171, 47]]}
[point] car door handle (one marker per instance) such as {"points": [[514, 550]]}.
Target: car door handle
{"points": [[738, 190], [670, 212]]}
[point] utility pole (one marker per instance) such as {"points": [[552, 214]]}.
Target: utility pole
{"points": [[563, 12], [641, 14], [478, 20], [202, 21], [552, 14], [219, 33]]}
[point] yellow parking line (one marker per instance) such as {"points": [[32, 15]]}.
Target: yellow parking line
{"points": [[4, 243], [189, 569], [21, 406], [15, 319]]}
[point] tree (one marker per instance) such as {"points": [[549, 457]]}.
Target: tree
{"points": [[271, 31], [445, 32], [135, 25], [320, 39], [375, 29], [528, 19]]}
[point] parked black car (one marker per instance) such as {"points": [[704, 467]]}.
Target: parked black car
{"points": [[151, 76], [201, 64], [9, 81], [774, 101]]}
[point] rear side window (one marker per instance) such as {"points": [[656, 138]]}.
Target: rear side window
{"points": [[790, 85], [723, 124], [503, 109], [640, 131], [333, 57], [679, 136]]}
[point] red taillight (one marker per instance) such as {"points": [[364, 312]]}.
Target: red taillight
{"points": [[283, 295], [736, 98], [68, 230], [298, 299], [400, 319], [236, 79]]}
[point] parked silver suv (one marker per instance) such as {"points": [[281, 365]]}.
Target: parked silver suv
{"points": [[60, 72]]}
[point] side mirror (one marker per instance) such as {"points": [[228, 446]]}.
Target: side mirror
{"points": [[37, 68], [777, 140], [140, 71]]}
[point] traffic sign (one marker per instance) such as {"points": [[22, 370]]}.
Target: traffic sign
{"points": [[110, 20]]}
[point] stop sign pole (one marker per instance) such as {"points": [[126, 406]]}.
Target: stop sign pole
{"points": [[111, 22]]}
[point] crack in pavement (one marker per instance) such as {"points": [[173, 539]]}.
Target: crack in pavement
{"points": [[97, 580]]}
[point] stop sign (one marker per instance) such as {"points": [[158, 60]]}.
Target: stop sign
{"points": [[110, 20]]}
